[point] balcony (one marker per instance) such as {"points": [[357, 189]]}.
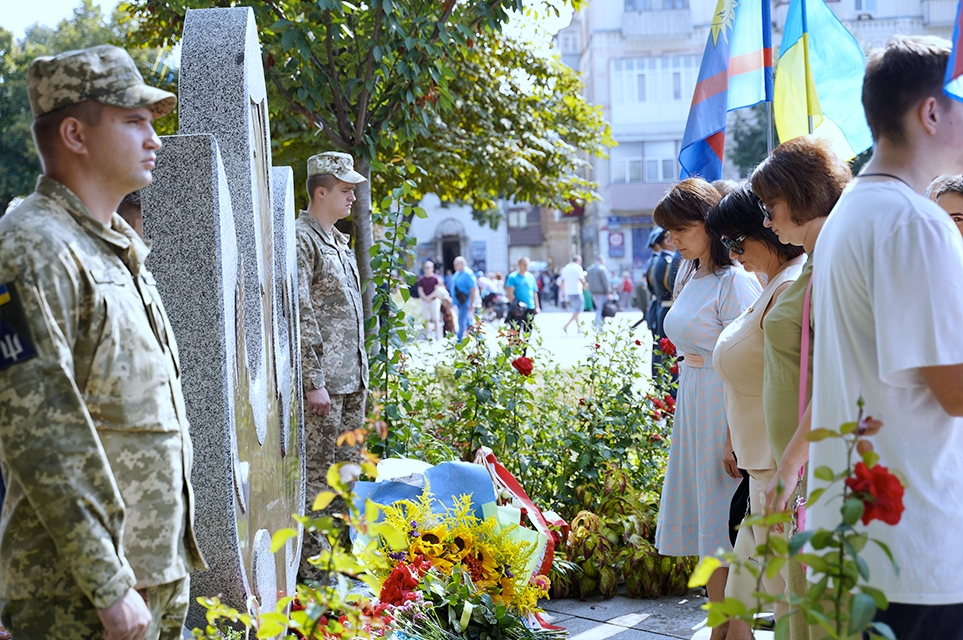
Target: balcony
{"points": [[669, 22], [637, 196]]}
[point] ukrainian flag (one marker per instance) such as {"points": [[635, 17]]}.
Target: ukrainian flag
{"points": [[820, 74], [736, 72]]}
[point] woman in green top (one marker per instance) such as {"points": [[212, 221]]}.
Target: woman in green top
{"points": [[799, 183]]}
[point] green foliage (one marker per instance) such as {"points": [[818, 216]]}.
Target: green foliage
{"points": [[555, 430], [327, 609], [389, 329], [87, 27], [747, 134], [612, 542], [839, 600]]}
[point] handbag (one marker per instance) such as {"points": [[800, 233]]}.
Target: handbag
{"points": [[609, 309], [461, 296], [798, 505]]}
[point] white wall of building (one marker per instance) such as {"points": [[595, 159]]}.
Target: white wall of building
{"points": [[450, 230]]}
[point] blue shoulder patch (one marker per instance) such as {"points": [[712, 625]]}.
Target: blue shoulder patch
{"points": [[16, 343]]}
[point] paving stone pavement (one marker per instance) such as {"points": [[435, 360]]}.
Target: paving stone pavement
{"points": [[622, 618]]}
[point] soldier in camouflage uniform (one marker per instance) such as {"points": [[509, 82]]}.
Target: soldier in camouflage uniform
{"points": [[97, 536], [335, 364]]}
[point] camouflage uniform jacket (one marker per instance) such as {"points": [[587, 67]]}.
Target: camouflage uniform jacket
{"points": [[332, 322], [93, 433]]}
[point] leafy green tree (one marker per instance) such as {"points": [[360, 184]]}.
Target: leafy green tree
{"points": [[747, 137], [86, 27], [416, 81]]}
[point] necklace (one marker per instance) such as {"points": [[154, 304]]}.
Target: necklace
{"points": [[885, 175]]}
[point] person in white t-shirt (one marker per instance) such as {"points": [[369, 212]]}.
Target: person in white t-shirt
{"points": [[888, 300], [571, 278]]}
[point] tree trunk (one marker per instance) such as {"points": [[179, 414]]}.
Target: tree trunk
{"points": [[364, 237]]}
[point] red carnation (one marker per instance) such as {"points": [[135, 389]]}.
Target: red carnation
{"points": [[666, 347], [523, 365], [880, 491]]}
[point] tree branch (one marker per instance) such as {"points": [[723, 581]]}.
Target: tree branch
{"points": [[368, 74], [344, 127], [313, 117]]}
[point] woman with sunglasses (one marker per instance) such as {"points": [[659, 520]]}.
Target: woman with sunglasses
{"points": [[799, 184], [738, 360], [711, 293]]}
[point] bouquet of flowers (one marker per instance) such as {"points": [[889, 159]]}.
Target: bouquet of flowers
{"points": [[457, 575]]}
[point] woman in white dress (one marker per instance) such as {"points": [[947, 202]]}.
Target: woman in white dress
{"points": [[711, 293]]}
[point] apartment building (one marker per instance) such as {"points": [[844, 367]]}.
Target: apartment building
{"points": [[640, 61]]}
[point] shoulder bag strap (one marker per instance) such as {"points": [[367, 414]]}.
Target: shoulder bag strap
{"points": [[804, 357]]}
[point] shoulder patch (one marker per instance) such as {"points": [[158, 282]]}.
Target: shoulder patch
{"points": [[16, 342]]}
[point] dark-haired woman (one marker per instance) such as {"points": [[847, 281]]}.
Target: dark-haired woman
{"points": [[738, 359], [694, 514], [799, 184]]}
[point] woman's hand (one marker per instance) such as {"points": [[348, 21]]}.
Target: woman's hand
{"points": [[729, 459], [776, 500]]}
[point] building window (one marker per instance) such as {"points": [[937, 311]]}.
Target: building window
{"points": [[626, 162], [660, 161], [517, 218], [865, 6], [650, 81]]}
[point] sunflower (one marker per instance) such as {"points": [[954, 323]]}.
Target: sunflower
{"points": [[432, 545], [481, 566], [461, 544]]}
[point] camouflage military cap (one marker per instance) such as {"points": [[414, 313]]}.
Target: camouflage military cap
{"points": [[106, 74], [339, 165]]}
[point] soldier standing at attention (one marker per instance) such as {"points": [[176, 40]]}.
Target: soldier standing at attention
{"points": [[334, 361], [97, 535]]}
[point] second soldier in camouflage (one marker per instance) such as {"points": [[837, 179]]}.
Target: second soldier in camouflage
{"points": [[335, 364]]}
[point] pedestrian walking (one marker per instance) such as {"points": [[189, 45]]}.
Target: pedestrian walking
{"points": [[521, 289], [572, 279], [334, 360], [465, 291], [429, 288], [599, 280], [98, 526]]}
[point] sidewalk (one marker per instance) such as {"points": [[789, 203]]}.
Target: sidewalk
{"points": [[622, 618]]}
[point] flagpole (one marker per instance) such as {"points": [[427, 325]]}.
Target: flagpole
{"points": [[768, 79], [805, 39]]}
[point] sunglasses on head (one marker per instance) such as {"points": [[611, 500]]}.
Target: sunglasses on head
{"points": [[734, 244]]}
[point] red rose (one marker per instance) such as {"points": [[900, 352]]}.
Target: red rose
{"points": [[598, 346], [666, 347], [523, 365], [638, 343], [657, 414], [658, 404], [880, 491], [581, 402], [674, 369]]}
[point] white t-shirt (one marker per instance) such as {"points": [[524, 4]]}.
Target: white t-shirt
{"points": [[571, 276], [888, 299]]}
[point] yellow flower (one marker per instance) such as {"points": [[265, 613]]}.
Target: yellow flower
{"points": [[432, 545], [462, 543], [481, 566]]}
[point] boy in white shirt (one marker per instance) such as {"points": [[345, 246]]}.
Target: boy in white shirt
{"points": [[887, 301]]}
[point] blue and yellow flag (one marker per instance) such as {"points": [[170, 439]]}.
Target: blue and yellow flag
{"points": [[736, 72], [820, 74]]}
